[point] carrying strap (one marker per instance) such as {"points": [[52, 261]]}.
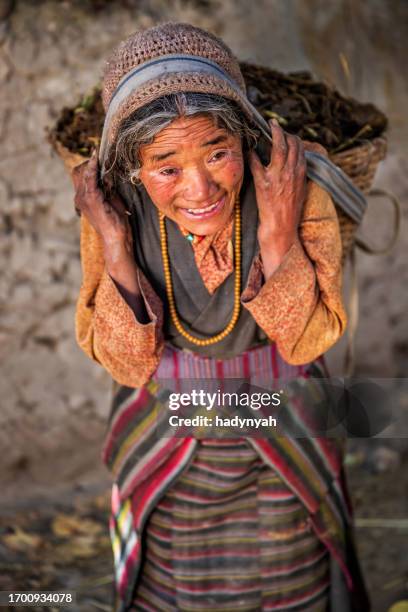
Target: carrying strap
{"points": [[371, 250], [353, 309], [319, 169], [353, 302]]}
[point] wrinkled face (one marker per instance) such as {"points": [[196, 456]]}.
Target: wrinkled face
{"points": [[193, 172]]}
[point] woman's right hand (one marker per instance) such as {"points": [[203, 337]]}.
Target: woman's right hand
{"points": [[110, 221], [108, 217]]}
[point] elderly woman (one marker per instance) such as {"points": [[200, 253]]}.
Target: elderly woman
{"points": [[200, 261]]}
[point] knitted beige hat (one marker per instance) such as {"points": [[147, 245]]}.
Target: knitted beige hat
{"points": [[169, 40]]}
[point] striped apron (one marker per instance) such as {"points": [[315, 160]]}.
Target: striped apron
{"points": [[230, 535], [175, 499]]}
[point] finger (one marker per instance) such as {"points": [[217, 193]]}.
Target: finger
{"points": [[92, 165], [91, 176], [296, 157], [118, 205], [301, 160], [279, 147], [108, 181], [293, 151], [78, 172], [255, 165], [79, 199], [80, 177]]}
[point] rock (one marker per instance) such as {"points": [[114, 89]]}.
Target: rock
{"points": [[58, 324], [53, 294], [68, 350], [66, 214], [5, 68], [22, 294], [77, 400], [40, 175], [38, 118], [21, 258], [384, 459], [23, 50]]}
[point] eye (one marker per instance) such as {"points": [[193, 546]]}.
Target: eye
{"points": [[168, 171], [218, 156]]}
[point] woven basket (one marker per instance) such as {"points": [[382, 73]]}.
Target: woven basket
{"points": [[360, 164]]}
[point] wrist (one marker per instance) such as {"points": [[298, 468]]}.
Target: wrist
{"points": [[274, 249], [279, 242], [117, 249], [123, 270]]}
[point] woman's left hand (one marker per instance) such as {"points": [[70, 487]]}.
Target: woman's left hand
{"points": [[280, 190]]}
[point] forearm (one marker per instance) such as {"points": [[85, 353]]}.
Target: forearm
{"points": [[129, 349], [296, 298], [273, 248], [107, 328], [122, 268], [118, 316], [295, 311]]}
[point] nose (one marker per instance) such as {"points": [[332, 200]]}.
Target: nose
{"points": [[199, 186]]}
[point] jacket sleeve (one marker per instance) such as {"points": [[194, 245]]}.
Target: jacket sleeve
{"points": [[300, 307], [106, 327]]}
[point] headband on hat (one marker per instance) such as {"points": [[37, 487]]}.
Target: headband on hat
{"points": [[319, 168]]}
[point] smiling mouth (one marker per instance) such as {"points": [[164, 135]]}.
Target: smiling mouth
{"points": [[205, 211]]}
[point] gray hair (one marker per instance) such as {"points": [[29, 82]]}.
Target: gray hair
{"points": [[142, 127]]}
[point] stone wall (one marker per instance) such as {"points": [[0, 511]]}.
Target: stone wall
{"points": [[54, 401]]}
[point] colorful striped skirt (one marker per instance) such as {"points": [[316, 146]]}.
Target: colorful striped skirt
{"points": [[228, 523], [230, 535]]}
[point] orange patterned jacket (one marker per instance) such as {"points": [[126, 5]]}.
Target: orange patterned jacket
{"points": [[300, 307]]}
